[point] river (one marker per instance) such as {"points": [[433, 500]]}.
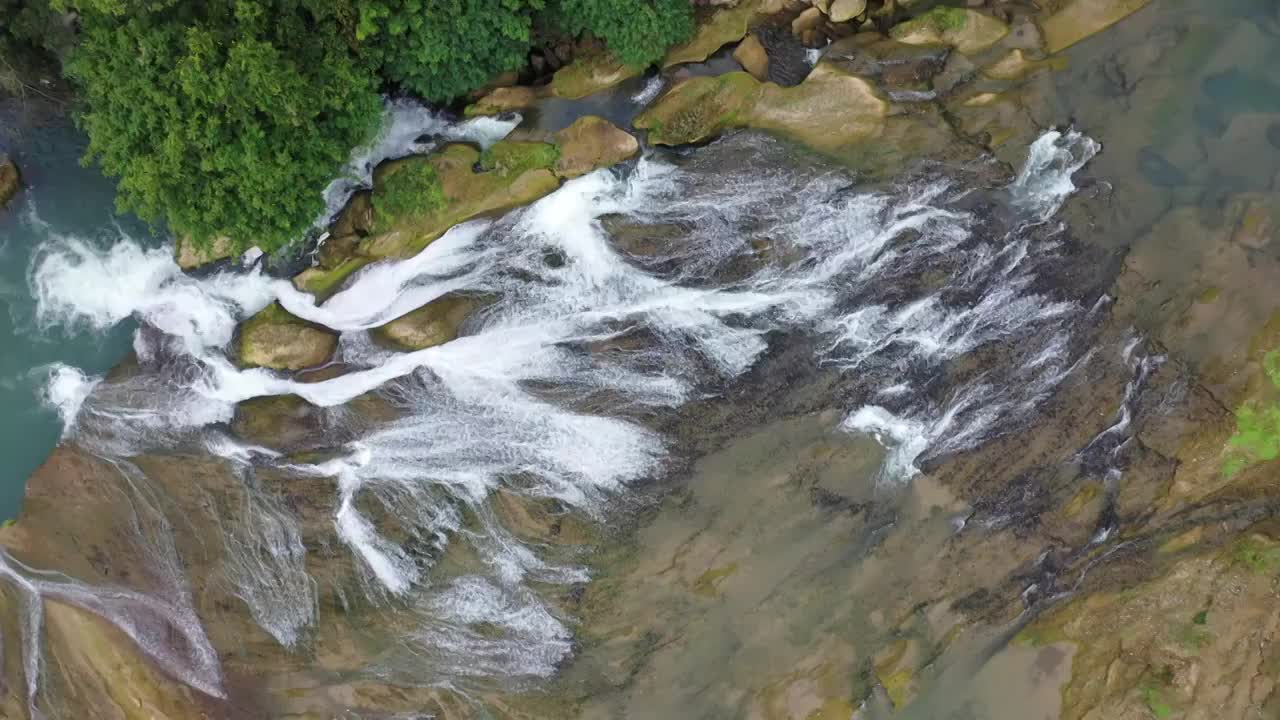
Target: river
{"points": [[735, 432]]}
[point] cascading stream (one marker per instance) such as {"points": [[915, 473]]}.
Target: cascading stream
{"points": [[471, 417]]}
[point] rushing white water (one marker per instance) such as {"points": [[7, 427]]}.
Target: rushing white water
{"points": [[408, 128], [502, 408]]}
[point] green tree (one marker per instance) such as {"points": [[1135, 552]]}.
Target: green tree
{"points": [[441, 49], [637, 31], [222, 117]]}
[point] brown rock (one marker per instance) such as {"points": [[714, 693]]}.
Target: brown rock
{"points": [[10, 180], [810, 19], [845, 10], [591, 143], [276, 339], [189, 254], [503, 99], [435, 323], [751, 55]]}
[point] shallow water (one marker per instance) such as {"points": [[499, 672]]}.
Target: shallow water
{"points": [[61, 198]]}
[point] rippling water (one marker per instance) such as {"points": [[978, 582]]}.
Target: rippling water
{"points": [[513, 404]]}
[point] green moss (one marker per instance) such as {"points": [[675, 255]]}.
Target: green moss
{"points": [[939, 19], [1257, 555], [510, 157], [1257, 436], [1201, 618], [1155, 703], [411, 189], [1209, 295]]}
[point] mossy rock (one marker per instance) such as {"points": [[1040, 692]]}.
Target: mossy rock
{"points": [[968, 31], [519, 174], [591, 143], [831, 109], [515, 157], [724, 26], [435, 323], [465, 183], [1079, 19], [190, 254], [700, 108], [503, 100], [590, 74], [278, 340]]}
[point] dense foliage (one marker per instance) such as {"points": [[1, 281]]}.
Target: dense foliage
{"points": [[638, 31], [223, 117], [440, 49], [413, 189], [227, 117]]}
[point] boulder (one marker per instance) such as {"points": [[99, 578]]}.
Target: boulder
{"points": [[435, 323], [591, 143], [521, 173], [278, 340], [846, 10], [810, 19], [1015, 65], [590, 74], [892, 64], [10, 180], [190, 253], [751, 55], [788, 59], [1079, 19], [699, 108], [968, 31], [830, 109], [503, 99], [727, 25]]}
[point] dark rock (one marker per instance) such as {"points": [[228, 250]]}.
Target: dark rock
{"points": [[788, 61], [893, 65]]}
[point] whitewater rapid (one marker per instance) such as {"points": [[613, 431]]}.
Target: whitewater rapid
{"points": [[470, 416]]}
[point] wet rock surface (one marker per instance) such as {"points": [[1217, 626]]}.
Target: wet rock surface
{"points": [[1092, 561], [10, 180]]}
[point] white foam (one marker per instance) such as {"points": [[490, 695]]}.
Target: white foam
{"points": [[1044, 182], [504, 401], [408, 128]]}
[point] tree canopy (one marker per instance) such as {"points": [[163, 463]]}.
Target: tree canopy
{"points": [[228, 117]]}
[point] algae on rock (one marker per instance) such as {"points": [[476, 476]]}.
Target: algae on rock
{"points": [[968, 31], [278, 340], [829, 110], [435, 323]]}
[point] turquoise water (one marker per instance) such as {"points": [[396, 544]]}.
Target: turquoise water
{"points": [[61, 198]]}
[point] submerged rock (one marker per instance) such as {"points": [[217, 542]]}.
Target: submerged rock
{"points": [[968, 31], [435, 323], [10, 180], [1076, 20], [278, 340], [590, 143]]}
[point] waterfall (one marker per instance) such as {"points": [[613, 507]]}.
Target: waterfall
{"points": [[765, 247]]}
